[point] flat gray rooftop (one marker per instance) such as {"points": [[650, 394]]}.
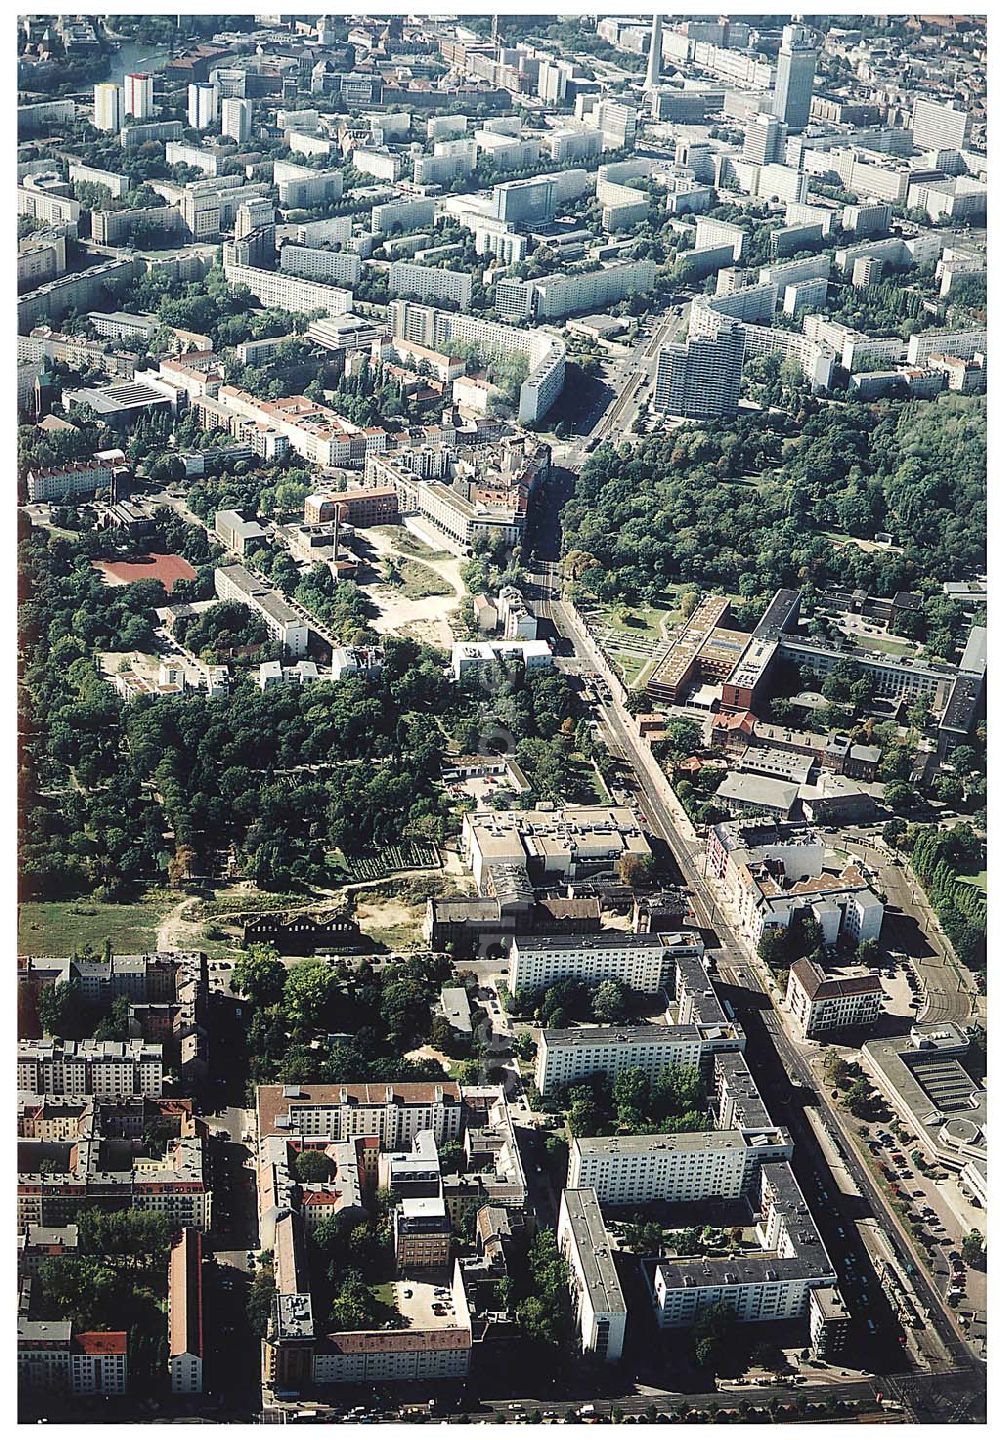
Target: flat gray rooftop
{"points": [[600, 1275]]}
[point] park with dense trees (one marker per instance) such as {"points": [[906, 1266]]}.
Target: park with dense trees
{"points": [[754, 503]]}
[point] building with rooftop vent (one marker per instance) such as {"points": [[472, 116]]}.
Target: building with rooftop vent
{"points": [[672, 1169], [776, 1283], [569, 843], [924, 1078]]}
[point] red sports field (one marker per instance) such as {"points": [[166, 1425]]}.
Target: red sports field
{"points": [[165, 568]]}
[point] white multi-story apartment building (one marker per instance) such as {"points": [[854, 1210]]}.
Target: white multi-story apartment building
{"points": [[109, 1069], [203, 106], [570, 144], [637, 1169], [803, 294], [233, 582], [598, 1301], [709, 234], [939, 125], [428, 283], [764, 140], [963, 344], [777, 1283], [749, 304], [781, 182], [701, 378], [446, 127], [821, 1003], [40, 257], [537, 961], [960, 197], [330, 267], [237, 118], [45, 197], [209, 206], [299, 186], [115, 184], [251, 215], [401, 216], [495, 237], [286, 291], [545, 353], [179, 152], [816, 358], [31, 118], [790, 272], [139, 96], [562, 294], [617, 123], [133, 136], [395, 1114], [381, 162], [108, 107], [863, 220], [565, 1056], [334, 231]]}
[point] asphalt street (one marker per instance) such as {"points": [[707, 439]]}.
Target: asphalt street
{"points": [[652, 792]]}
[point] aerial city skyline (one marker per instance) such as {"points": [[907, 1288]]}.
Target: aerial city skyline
{"points": [[502, 639]]}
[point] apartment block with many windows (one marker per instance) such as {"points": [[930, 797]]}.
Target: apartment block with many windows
{"points": [[111, 1069]]}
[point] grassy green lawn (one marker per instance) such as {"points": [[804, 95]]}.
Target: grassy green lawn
{"points": [[978, 880], [631, 666], [642, 621], [58, 927], [416, 581], [588, 788], [887, 646], [409, 543]]}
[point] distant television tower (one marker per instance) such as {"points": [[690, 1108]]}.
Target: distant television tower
{"points": [[655, 54], [495, 31]]}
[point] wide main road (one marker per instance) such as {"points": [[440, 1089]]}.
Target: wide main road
{"points": [[635, 369], [665, 817]]}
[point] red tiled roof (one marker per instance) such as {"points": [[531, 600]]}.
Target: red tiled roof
{"points": [[369, 1342], [102, 1342], [185, 1311], [272, 1101]]}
